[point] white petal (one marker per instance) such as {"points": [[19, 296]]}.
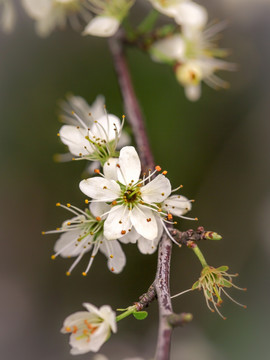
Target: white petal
{"points": [[99, 208], [65, 242], [102, 26], [37, 9], [97, 339], [117, 223], [191, 15], [110, 169], [149, 246], [157, 190], [92, 309], [104, 127], [109, 316], [177, 205], [172, 47], [74, 138], [144, 221], [115, 255], [169, 10], [97, 107], [130, 166], [193, 92], [8, 16], [99, 188], [130, 237]]}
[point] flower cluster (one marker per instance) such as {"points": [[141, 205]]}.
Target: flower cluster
{"points": [[193, 52], [125, 205]]}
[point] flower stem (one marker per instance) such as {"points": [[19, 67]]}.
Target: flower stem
{"points": [[130, 310], [199, 255]]}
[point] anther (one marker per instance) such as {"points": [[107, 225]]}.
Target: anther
{"points": [[53, 257], [162, 194], [58, 134], [112, 269], [97, 171], [114, 202], [118, 166], [69, 223], [58, 204], [196, 219], [68, 329], [86, 201], [43, 232], [84, 274], [68, 273], [148, 220], [165, 172], [72, 112], [111, 256], [68, 205], [158, 168], [170, 216], [98, 218], [123, 232]]}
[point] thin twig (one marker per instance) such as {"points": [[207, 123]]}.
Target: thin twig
{"points": [[132, 107]]}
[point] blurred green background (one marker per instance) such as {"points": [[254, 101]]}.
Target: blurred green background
{"points": [[218, 148]]}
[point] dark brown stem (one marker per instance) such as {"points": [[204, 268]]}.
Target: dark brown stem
{"points": [[131, 105], [162, 286]]}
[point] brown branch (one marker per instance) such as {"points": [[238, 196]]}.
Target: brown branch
{"points": [[190, 236], [162, 286], [131, 105]]}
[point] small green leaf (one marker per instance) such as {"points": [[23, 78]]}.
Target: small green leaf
{"points": [[223, 268], [140, 315], [225, 283], [195, 285]]}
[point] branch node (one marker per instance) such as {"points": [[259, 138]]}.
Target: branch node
{"points": [[175, 320]]}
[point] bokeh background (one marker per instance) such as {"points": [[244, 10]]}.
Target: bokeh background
{"points": [[218, 148]]}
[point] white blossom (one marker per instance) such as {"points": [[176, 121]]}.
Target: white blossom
{"points": [[185, 12], [51, 14], [7, 15], [91, 133], [109, 16], [89, 329], [195, 57], [84, 232], [136, 203]]}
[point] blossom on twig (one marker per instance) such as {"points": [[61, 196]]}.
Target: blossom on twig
{"points": [[50, 14], [84, 232], [136, 203], [89, 329], [184, 12], [109, 16], [91, 133], [195, 57]]}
